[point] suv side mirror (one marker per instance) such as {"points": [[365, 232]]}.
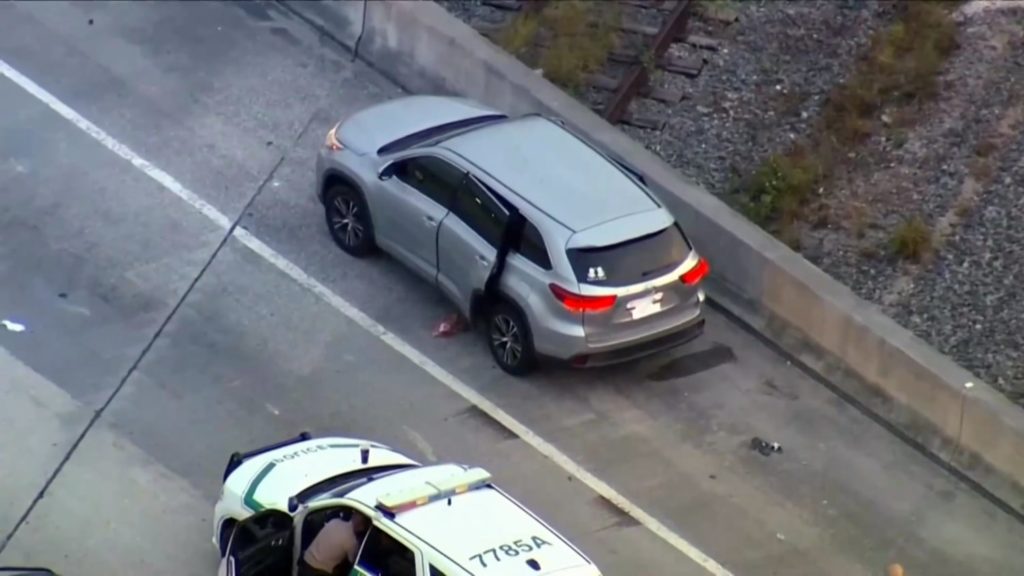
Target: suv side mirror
{"points": [[387, 171]]}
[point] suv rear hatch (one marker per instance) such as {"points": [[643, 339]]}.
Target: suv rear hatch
{"points": [[638, 276]]}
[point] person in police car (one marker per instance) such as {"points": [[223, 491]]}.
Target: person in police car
{"points": [[338, 541]]}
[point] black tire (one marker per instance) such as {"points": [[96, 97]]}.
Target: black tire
{"points": [[348, 220], [510, 340]]}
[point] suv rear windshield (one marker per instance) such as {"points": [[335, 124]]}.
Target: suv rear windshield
{"points": [[630, 262]]}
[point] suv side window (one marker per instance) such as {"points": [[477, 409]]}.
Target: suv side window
{"points": [[474, 206], [434, 177], [382, 554], [531, 246]]}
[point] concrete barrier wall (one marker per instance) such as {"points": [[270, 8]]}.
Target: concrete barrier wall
{"points": [[865, 354]]}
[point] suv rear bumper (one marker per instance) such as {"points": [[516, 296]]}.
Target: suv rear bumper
{"points": [[684, 334]]}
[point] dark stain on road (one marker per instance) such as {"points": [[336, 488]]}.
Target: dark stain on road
{"points": [[284, 34], [694, 363], [477, 415], [622, 519], [773, 389], [256, 10]]}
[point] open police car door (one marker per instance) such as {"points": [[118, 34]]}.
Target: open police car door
{"points": [[261, 545]]}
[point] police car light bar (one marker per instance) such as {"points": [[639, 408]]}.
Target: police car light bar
{"points": [[415, 496]]}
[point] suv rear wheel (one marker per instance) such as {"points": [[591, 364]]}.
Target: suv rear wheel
{"points": [[348, 220], [510, 340]]}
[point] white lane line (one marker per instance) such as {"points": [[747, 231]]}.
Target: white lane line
{"points": [[369, 324]]}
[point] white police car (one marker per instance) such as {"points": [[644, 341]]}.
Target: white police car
{"points": [[427, 520]]}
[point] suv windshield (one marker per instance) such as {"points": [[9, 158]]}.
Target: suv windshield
{"points": [[631, 262]]}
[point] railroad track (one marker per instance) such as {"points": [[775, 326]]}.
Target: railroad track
{"points": [[648, 49]]}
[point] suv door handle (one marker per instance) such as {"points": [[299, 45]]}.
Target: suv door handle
{"points": [[483, 261], [430, 221]]}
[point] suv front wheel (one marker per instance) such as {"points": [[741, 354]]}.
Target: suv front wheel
{"points": [[348, 220], [510, 340]]}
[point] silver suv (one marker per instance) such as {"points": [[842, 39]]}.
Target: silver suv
{"points": [[557, 249]]}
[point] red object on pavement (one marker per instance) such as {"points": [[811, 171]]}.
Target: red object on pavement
{"points": [[450, 326]]}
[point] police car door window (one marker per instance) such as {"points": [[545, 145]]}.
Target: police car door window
{"points": [[382, 555]]}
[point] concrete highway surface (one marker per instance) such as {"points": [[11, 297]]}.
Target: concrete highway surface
{"points": [[132, 135]]}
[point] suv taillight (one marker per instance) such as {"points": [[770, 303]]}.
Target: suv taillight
{"points": [[580, 303], [694, 275]]}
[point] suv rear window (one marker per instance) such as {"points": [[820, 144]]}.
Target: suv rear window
{"points": [[630, 262]]}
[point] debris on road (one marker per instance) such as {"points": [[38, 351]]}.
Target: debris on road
{"points": [[764, 447], [450, 326], [12, 326]]}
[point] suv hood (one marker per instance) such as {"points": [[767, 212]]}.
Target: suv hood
{"points": [[269, 479]]}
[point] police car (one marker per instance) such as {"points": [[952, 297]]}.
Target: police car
{"points": [[427, 520]]}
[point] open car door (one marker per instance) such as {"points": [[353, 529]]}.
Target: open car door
{"points": [[262, 545]]}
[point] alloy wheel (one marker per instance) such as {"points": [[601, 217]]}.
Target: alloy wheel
{"points": [[346, 221], [507, 339]]}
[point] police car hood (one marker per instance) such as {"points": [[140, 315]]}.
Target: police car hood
{"points": [[268, 480], [490, 533]]}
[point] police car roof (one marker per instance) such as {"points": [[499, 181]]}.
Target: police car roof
{"points": [[482, 530]]}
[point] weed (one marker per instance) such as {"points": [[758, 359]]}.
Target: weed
{"points": [[899, 139], [963, 208], [981, 169], [779, 188], [868, 251], [518, 37], [568, 39], [582, 35], [821, 216], [789, 103], [859, 221], [648, 62], [985, 148], [900, 67], [912, 240], [790, 236], [899, 70]]}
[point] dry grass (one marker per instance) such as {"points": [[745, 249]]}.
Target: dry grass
{"points": [[519, 36], [578, 37], [778, 190], [901, 67], [981, 169], [860, 219], [912, 240], [986, 148], [899, 70], [963, 207]]}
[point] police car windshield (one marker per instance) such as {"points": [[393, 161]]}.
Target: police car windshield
{"points": [[337, 486]]}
